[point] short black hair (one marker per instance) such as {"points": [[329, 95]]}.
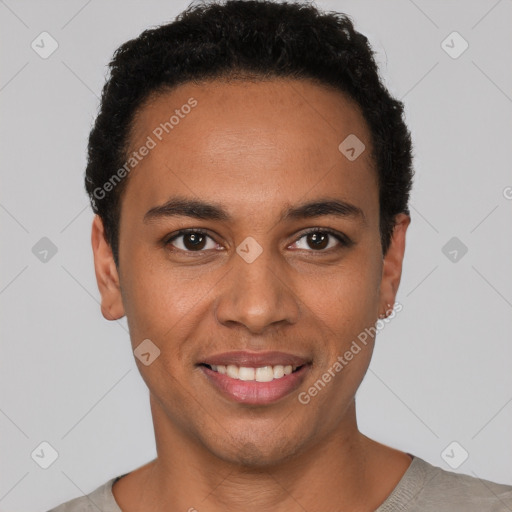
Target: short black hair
{"points": [[257, 38]]}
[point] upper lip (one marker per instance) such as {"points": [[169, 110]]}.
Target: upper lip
{"points": [[255, 359]]}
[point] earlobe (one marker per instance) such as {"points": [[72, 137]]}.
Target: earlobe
{"points": [[106, 272], [392, 264]]}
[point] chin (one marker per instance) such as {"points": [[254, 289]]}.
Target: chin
{"points": [[256, 454]]}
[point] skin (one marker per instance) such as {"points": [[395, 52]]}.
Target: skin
{"points": [[254, 148]]}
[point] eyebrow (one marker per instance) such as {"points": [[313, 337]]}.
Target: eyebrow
{"points": [[186, 207]]}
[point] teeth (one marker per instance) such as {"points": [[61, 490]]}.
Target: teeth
{"points": [[278, 371], [245, 373], [267, 373], [232, 371], [261, 374]]}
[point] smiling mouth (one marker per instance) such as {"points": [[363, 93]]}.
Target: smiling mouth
{"points": [[260, 374]]}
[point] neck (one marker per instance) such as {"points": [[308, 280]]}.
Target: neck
{"points": [[342, 469]]}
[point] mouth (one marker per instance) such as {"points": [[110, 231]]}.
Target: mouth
{"points": [[255, 378]]}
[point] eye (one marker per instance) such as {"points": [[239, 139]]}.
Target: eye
{"points": [[193, 240], [323, 240], [319, 239]]}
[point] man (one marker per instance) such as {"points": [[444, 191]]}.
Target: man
{"points": [[250, 175]]}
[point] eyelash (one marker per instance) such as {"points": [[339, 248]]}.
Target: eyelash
{"points": [[342, 239]]}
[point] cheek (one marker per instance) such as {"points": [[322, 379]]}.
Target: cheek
{"points": [[348, 296], [155, 295]]}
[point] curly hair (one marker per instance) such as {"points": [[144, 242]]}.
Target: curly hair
{"points": [[262, 39]]}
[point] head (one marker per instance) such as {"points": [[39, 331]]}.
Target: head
{"points": [[253, 122]]}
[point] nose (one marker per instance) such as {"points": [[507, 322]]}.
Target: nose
{"points": [[258, 295]]}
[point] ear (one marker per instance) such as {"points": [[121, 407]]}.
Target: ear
{"points": [[106, 273], [392, 264]]}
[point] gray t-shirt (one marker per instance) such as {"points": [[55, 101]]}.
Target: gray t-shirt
{"points": [[422, 488]]}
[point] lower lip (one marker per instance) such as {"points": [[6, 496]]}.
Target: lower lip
{"points": [[256, 393]]}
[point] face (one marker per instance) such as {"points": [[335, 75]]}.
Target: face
{"points": [[270, 279]]}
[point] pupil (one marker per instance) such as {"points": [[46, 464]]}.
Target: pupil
{"points": [[195, 238], [315, 238]]}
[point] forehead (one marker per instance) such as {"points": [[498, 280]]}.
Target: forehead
{"points": [[244, 143]]}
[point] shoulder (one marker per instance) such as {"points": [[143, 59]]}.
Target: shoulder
{"points": [[99, 499], [427, 487]]}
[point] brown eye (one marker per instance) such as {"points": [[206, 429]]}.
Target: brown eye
{"points": [[318, 240], [194, 241], [191, 241], [322, 240]]}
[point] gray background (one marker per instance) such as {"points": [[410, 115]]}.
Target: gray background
{"points": [[441, 368]]}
